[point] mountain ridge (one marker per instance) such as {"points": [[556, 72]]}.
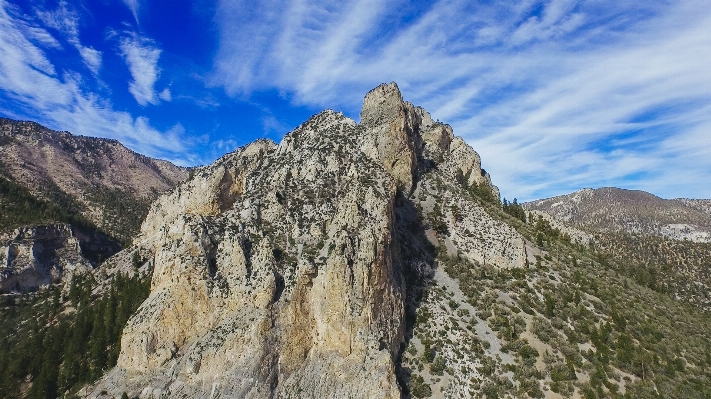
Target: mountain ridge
{"points": [[89, 189], [630, 211], [365, 260], [98, 175], [664, 244]]}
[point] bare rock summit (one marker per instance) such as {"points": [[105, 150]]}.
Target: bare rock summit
{"points": [[289, 270]]}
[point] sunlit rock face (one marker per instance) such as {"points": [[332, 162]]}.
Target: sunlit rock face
{"points": [[287, 270]]}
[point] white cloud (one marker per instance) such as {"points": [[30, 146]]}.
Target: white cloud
{"points": [[41, 36], [142, 56], [560, 86], [133, 5], [62, 19], [556, 20], [165, 95], [66, 21], [91, 57], [28, 78]]}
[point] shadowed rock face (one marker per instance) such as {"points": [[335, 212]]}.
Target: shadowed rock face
{"points": [[34, 256], [288, 270]]}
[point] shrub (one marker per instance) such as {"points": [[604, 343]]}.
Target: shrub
{"points": [[419, 388], [438, 365]]}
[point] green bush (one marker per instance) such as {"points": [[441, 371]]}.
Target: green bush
{"points": [[438, 365], [419, 388]]}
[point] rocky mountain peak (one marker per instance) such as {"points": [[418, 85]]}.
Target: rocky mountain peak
{"points": [[279, 264], [402, 137], [381, 105]]}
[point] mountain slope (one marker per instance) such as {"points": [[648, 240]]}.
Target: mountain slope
{"points": [[98, 179], [638, 212], [662, 244], [69, 202]]}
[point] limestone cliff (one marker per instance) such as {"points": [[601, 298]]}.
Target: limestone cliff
{"points": [[289, 270]]}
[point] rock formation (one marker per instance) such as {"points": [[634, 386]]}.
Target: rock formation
{"points": [[288, 270], [33, 256]]}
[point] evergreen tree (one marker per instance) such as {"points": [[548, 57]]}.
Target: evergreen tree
{"points": [[60, 352]]}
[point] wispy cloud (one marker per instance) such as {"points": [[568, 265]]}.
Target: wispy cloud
{"points": [[30, 80], [578, 93], [142, 56], [133, 5], [41, 37], [66, 21]]}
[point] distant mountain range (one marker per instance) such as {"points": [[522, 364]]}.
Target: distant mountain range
{"points": [[637, 212]]}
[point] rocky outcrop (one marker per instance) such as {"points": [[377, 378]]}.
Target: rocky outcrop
{"points": [[393, 133], [287, 270], [35, 256], [407, 142]]}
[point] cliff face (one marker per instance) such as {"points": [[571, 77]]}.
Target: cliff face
{"points": [[290, 270], [33, 256]]}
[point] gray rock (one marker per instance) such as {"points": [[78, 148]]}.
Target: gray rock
{"points": [[35, 256]]}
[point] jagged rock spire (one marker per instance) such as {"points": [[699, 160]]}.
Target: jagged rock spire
{"points": [[381, 105], [394, 131]]}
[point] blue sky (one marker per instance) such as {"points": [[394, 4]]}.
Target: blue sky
{"points": [[555, 95]]}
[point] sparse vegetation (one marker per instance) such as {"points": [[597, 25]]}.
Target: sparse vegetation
{"points": [[514, 209], [20, 207]]}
